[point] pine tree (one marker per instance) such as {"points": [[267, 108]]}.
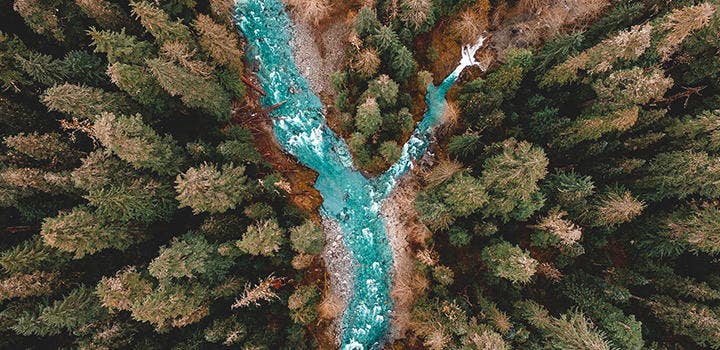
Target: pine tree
{"points": [[680, 23], [464, 195], [107, 14], [158, 23], [307, 238], [100, 169], [390, 151], [140, 199], [617, 206], [366, 22], [384, 90], [40, 17], [263, 290], [403, 64], [172, 304], [137, 143], [693, 320], [83, 102], [701, 133], [680, 174], [75, 310], [303, 304], [82, 232], [510, 262], [36, 179], [219, 42], [511, 179], [570, 331], [210, 189], [625, 46], [368, 119], [137, 82], [43, 68], [26, 285], [38, 146], [190, 256], [697, 226], [417, 14], [264, 238], [121, 47], [122, 290], [227, 331], [195, 91], [367, 62], [32, 255]]}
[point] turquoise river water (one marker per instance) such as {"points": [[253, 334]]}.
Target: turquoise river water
{"points": [[349, 198]]}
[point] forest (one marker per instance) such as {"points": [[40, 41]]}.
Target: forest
{"points": [[570, 200]]}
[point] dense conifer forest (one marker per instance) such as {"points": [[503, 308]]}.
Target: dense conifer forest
{"points": [[570, 200]]}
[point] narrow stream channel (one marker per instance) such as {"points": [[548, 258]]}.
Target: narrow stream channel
{"points": [[349, 198]]}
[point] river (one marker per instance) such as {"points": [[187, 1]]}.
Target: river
{"points": [[349, 198]]}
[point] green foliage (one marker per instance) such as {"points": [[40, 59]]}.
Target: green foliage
{"points": [[680, 174], [84, 102], [195, 91], [137, 143], [158, 23], [307, 238], [511, 179], [696, 321], [510, 262], [82, 232], [120, 47], [141, 199], [263, 238], [190, 256], [208, 188], [368, 119], [303, 304]]}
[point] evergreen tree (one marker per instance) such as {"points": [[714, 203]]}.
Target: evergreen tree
{"points": [[40, 17], [84, 102], [209, 189], [172, 304], [693, 320], [135, 142], [190, 256], [368, 119], [509, 262], [219, 42], [307, 238], [26, 285], [264, 238], [195, 91], [75, 310], [137, 82], [511, 179], [38, 146], [122, 290], [120, 47], [142, 199], [32, 255], [82, 232], [158, 23], [680, 174], [107, 14]]}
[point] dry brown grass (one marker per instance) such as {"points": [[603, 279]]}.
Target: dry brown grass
{"points": [[443, 171], [471, 23], [311, 11], [330, 307]]}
